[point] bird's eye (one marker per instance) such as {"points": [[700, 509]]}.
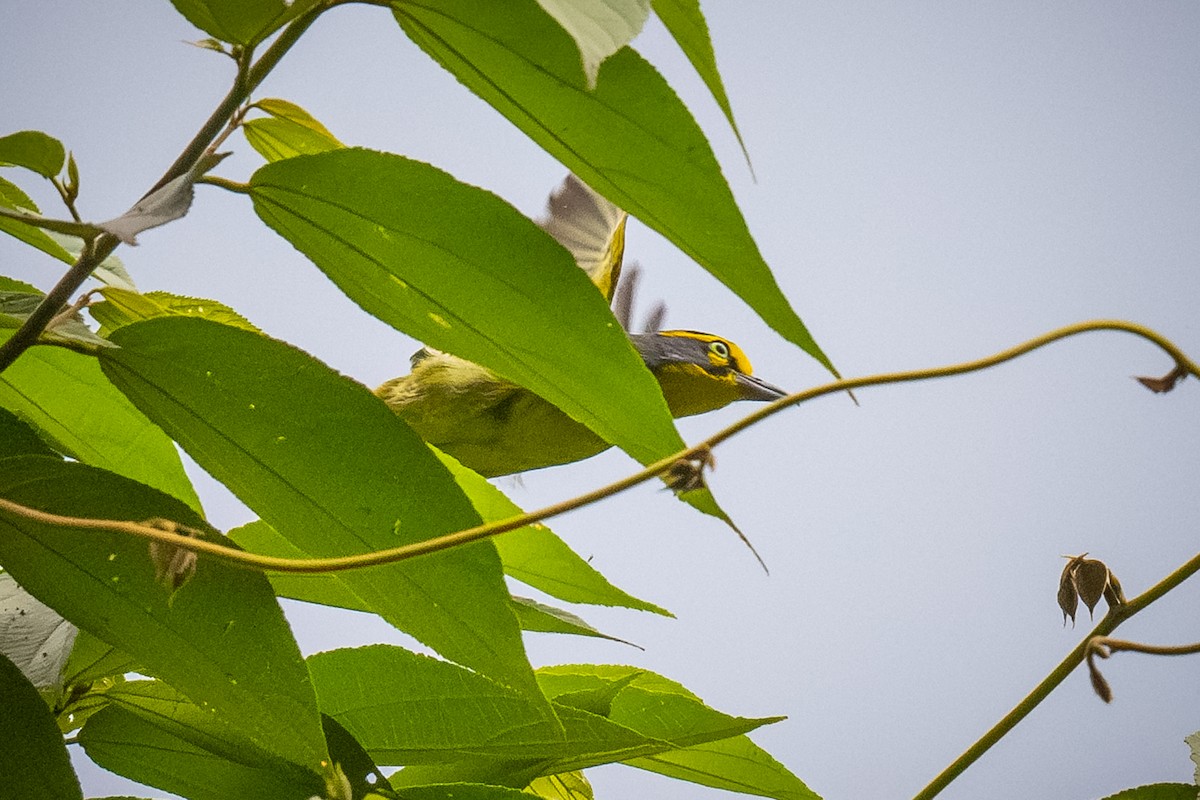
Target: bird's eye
{"points": [[719, 349]]}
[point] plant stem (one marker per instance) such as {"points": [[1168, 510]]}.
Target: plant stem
{"points": [[658, 468], [1112, 619], [247, 80]]}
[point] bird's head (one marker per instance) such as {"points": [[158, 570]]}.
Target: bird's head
{"points": [[700, 372]]}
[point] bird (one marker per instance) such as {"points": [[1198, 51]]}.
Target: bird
{"points": [[496, 427]]}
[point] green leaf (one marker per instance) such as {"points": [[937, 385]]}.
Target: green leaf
{"points": [[287, 110], [12, 197], [111, 271], [1157, 791], [535, 555], [13, 285], [121, 307], [277, 139], [322, 588], [599, 27], [69, 331], [221, 639], [736, 764], [649, 704], [590, 740], [93, 659], [34, 760], [631, 138], [325, 463], [535, 616], [355, 763], [19, 439], [66, 397], [33, 150], [450, 726], [563, 786], [461, 791], [463, 271], [406, 708], [328, 589], [152, 735], [234, 21], [290, 131], [685, 22], [93, 669]]}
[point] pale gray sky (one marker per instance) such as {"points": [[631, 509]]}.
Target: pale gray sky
{"points": [[936, 181]]}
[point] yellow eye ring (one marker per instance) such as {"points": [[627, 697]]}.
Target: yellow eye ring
{"points": [[719, 349]]}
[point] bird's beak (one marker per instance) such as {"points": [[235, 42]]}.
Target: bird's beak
{"points": [[755, 389]]}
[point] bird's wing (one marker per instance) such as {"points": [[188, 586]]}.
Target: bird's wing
{"points": [[591, 228], [626, 297]]}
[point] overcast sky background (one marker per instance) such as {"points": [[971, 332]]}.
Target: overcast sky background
{"points": [[935, 181]]}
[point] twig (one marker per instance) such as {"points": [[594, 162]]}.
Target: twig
{"points": [[1103, 647], [664, 466], [1115, 616], [101, 247]]}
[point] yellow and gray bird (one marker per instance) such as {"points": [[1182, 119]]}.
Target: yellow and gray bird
{"points": [[496, 427]]}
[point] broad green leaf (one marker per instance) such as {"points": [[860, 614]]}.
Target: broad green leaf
{"points": [[12, 197], [1157, 791], [277, 139], [34, 637], [33, 761], [452, 726], [563, 786], [92, 659], [70, 331], [323, 588], [289, 131], [535, 555], [221, 639], [66, 397], [176, 748], [285, 109], [463, 271], [13, 285], [650, 704], [535, 616], [599, 27], [406, 708], [120, 307], [19, 439], [591, 740], [93, 669], [355, 763], [33, 150], [332, 469], [685, 21], [736, 764], [328, 589], [79, 709], [418, 250], [631, 138], [461, 791], [455, 726], [234, 21], [111, 271]]}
